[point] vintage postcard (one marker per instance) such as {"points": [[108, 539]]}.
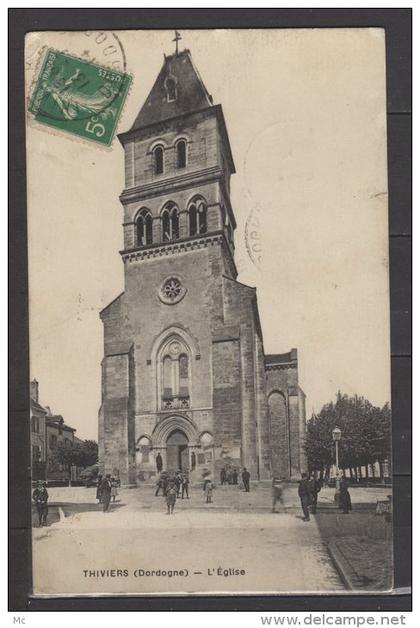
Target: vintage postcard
{"points": [[209, 312]]}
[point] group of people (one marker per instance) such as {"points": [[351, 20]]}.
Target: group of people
{"points": [[172, 485], [229, 475], [179, 480], [107, 490], [175, 485], [308, 489]]}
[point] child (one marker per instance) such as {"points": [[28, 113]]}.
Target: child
{"points": [[208, 491], [114, 489], [171, 493]]}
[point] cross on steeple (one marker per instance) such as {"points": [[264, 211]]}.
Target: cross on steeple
{"points": [[177, 38]]}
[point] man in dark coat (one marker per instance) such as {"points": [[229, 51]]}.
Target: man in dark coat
{"points": [[304, 493], [245, 479], [159, 463], [314, 487], [184, 485], [161, 484], [235, 476], [223, 476], [40, 497], [106, 487], [178, 482]]}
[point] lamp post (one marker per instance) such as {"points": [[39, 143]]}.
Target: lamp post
{"points": [[336, 434]]}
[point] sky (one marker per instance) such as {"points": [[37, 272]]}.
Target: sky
{"points": [[305, 113]]}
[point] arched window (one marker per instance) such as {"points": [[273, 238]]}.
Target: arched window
{"points": [[170, 88], [198, 216], [170, 222], [144, 446], [168, 387], [144, 226], [183, 375], [181, 154], [175, 375], [158, 159]]}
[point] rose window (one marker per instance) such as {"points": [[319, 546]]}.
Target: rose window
{"points": [[172, 290]]}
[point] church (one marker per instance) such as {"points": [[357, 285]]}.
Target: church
{"points": [[184, 372]]}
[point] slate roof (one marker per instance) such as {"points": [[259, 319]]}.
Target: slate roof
{"points": [[56, 420], [191, 92], [281, 358], [37, 406]]}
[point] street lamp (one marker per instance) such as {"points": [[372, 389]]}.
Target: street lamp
{"points": [[336, 434]]}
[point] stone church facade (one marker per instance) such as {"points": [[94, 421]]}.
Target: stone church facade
{"points": [[184, 372]]}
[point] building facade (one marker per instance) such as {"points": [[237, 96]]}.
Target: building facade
{"points": [[184, 372], [49, 433], [38, 434]]}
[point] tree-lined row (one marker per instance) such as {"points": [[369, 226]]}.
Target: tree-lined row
{"points": [[365, 439]]}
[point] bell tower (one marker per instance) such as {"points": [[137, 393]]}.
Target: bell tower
{"points": [[178, 165]]}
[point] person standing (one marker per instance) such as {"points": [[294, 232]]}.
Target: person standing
{"points": [[314, 488], [114, 488], [40, 497], [344, 499], [160, 484], [184, 485], [305, 496], [246, 476], [171, 495], [159, 463], [223, 476], [235, 476], [106, 487], [98, 489], [178, 482], [277, 492], [208, 490]]}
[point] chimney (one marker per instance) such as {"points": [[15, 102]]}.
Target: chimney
{"points": [[34, 390]]}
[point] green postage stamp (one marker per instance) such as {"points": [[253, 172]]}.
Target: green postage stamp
{"points": [[79, 97]]}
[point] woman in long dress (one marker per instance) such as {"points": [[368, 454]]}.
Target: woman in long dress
{"points": [[344, 502]]}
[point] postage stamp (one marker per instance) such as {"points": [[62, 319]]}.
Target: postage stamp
{"points": [[79, 97]]}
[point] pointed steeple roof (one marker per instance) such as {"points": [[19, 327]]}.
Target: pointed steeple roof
{"points": [[178, 89]]}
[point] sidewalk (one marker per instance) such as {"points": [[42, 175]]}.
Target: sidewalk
{"points": [[360, 543]]}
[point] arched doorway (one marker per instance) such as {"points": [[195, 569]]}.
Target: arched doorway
{"points": [[177, 456]]}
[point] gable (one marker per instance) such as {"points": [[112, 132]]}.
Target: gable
{"points": [[177, 72]]}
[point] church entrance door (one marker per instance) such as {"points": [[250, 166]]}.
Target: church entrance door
{"points": [[177, 451]]}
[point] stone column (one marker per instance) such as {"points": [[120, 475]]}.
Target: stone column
{"points": [[183, 224], [157, 230], [249, 436]]}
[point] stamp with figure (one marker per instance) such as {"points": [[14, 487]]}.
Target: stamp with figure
{"points": [[79, 97]]}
